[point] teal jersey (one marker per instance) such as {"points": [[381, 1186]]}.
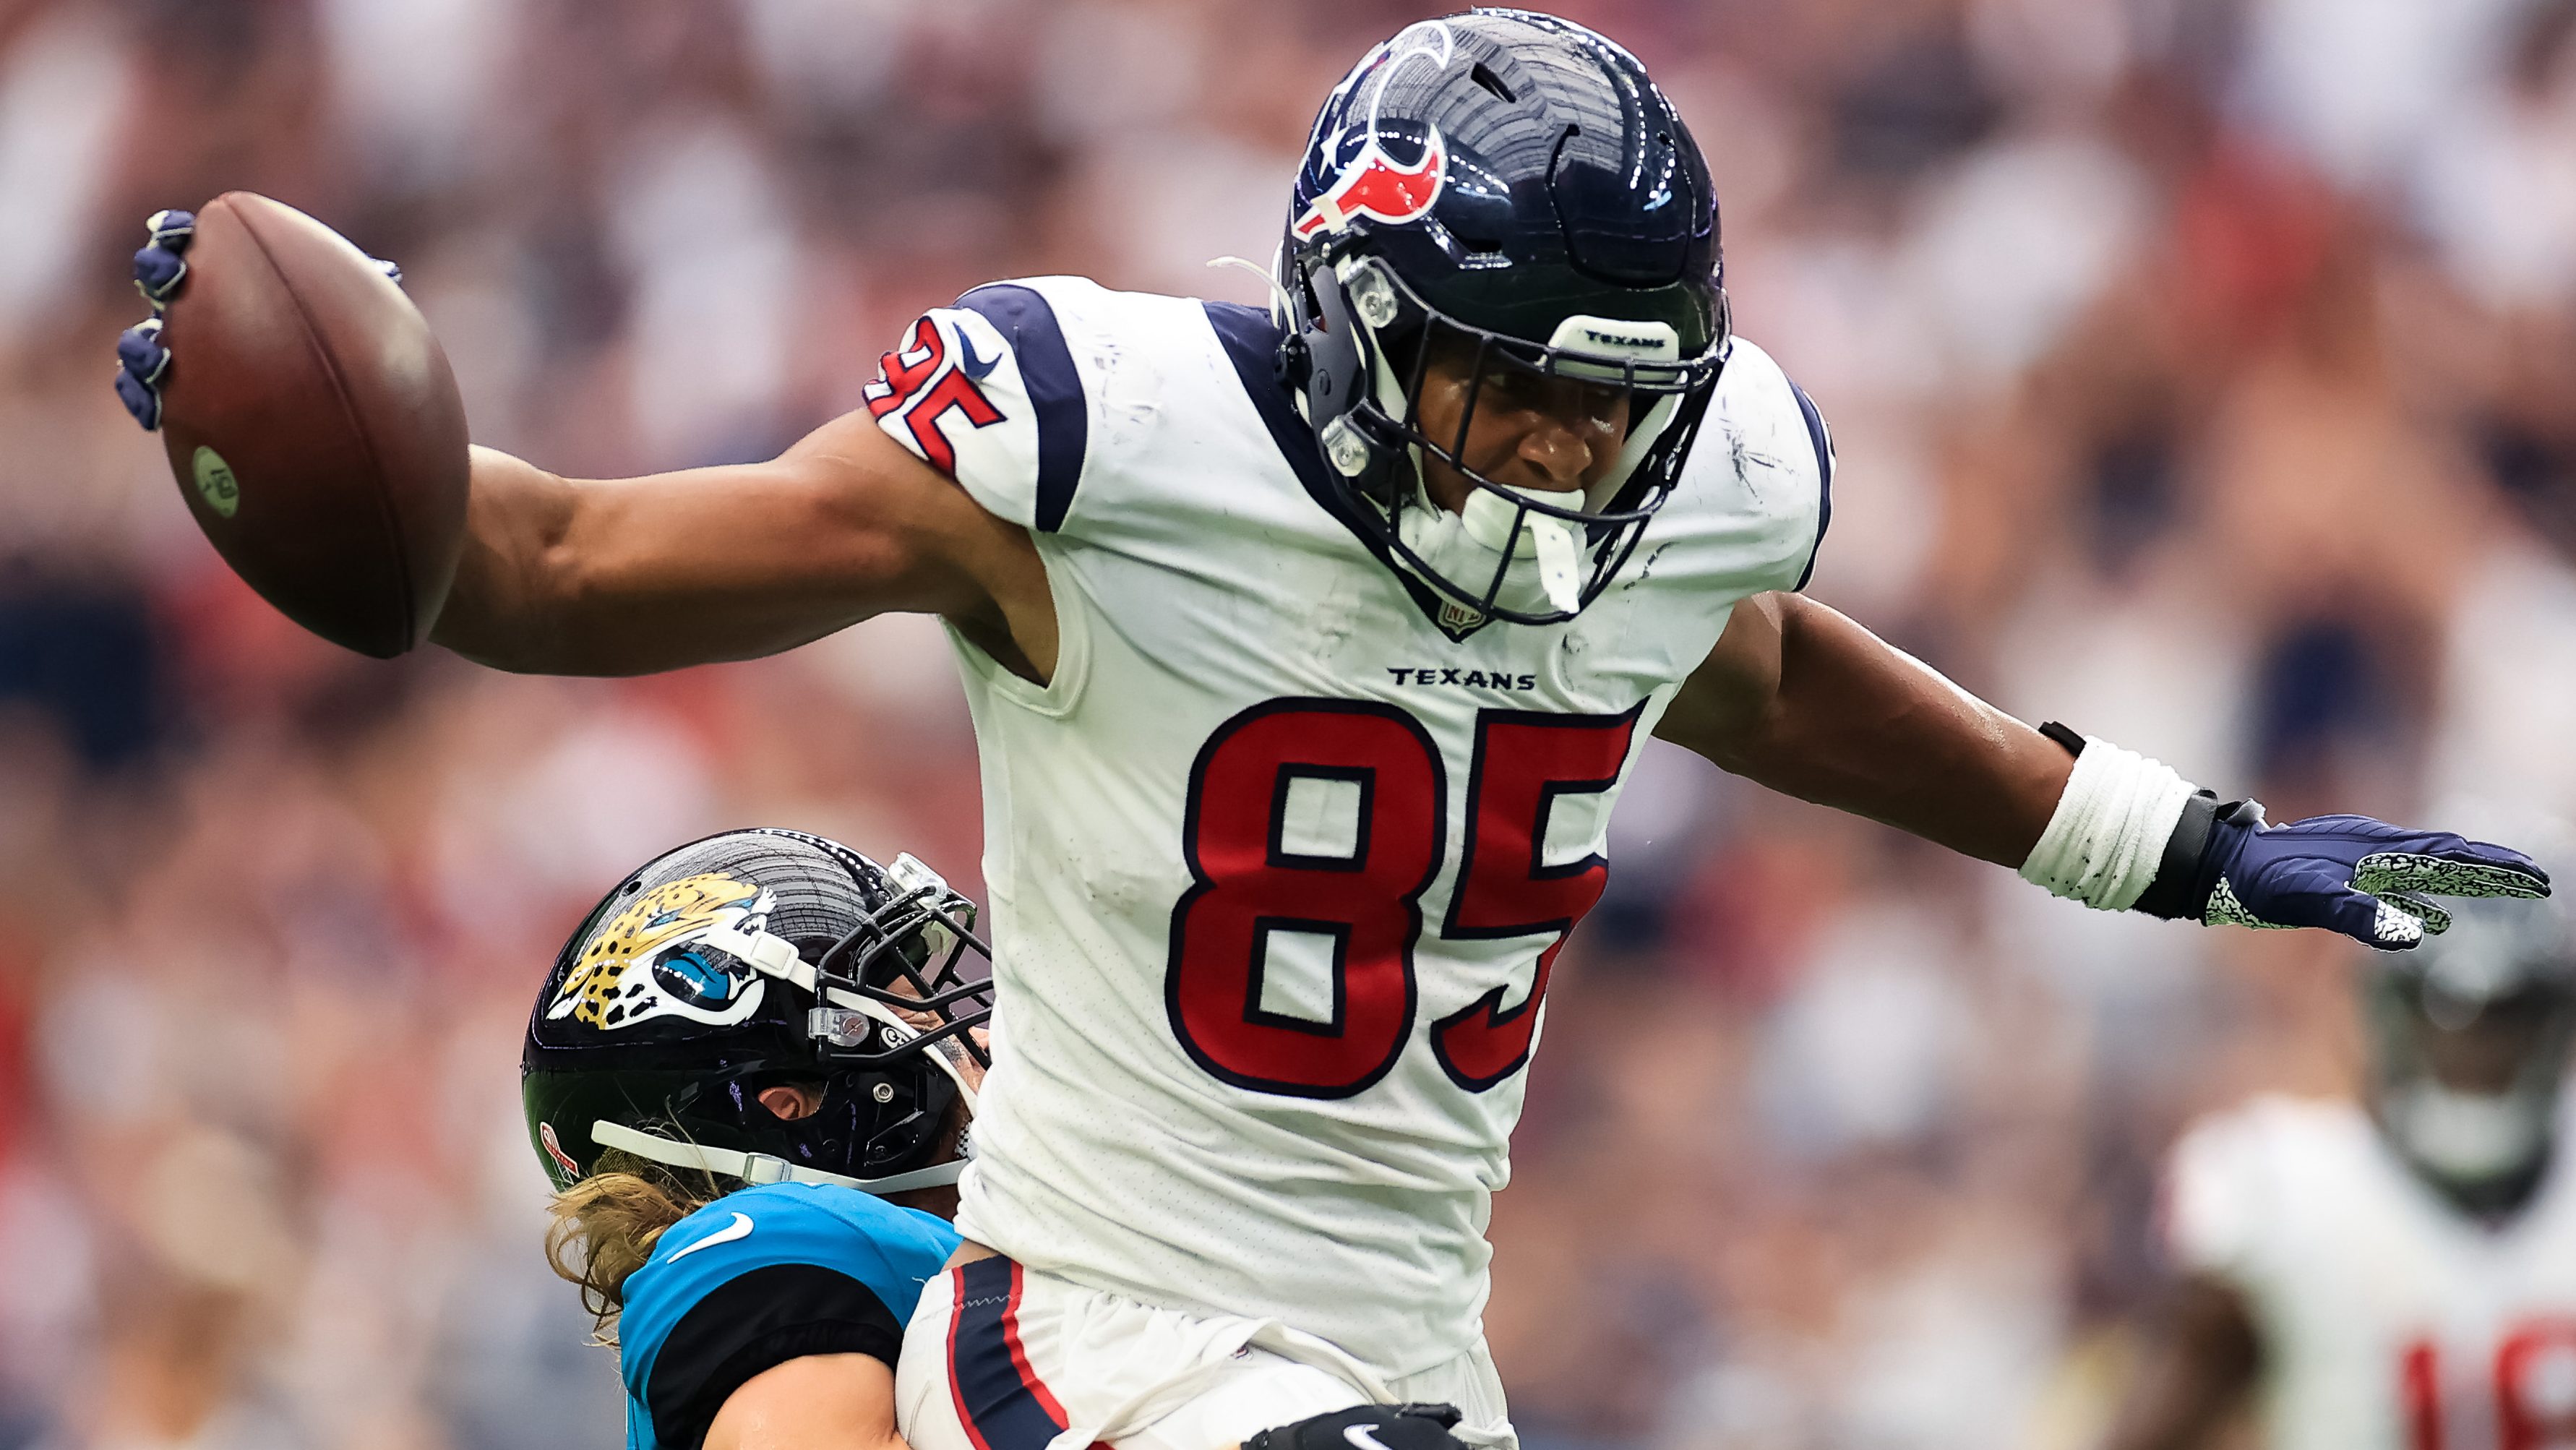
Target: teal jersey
{"points": [[758, 1278]]}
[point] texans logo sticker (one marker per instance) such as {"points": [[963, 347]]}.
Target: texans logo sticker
{"points": [[1374, 186], [1372, 183]]}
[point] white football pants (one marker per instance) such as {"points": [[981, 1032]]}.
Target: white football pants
{"points": [[1002, 1357]]}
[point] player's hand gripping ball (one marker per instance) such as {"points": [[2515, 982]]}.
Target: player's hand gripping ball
{"points": [[308, 413], [2364, 878]]}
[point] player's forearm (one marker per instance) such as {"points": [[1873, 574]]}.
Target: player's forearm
{"points": [[631, 576], [1817, 707], [516, 518], [816, 1402]]}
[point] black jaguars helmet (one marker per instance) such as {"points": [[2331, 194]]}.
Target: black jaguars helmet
{"points": [[745, 961], [1514, 180]]}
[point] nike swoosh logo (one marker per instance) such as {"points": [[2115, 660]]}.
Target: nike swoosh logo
{"points": [[740, 1228], [1362, 1437], [975, 367]]}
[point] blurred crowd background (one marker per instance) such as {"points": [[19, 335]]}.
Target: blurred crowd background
{"points": [[2204, 374]]}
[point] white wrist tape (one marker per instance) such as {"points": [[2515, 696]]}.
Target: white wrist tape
{"points": [[2104, 843]]}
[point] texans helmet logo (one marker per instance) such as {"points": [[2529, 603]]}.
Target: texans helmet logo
{"points": [[1371, 183], [1373, 186]]}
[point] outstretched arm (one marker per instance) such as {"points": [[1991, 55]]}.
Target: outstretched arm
{"points": [[571, 577], [563, 576], [1803, 700], [2195, 1364]]}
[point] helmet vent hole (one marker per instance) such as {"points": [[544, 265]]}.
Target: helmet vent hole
{"points": [[1490, 82]]}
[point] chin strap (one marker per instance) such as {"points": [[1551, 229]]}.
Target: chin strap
{"points": [[758, 1168]]}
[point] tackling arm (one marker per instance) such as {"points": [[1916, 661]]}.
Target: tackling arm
{"points": [[818, 1402], [1801, 699], [2194, 1366], [561, 576]]}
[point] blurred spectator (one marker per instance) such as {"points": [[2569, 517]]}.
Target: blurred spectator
{"points": [[2200, 371]]}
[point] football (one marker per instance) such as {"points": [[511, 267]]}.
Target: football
{"points": [[314, 426]]}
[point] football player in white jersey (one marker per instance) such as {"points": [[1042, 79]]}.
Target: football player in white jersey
{"points": [[1307, 651], [2400, 1275]]}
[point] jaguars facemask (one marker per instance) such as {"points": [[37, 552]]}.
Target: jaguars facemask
{"points": [[746, 961]]}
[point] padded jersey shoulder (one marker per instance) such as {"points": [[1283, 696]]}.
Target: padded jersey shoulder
{"points": [[1756, 492], [760, 1277], [1034, 393]]}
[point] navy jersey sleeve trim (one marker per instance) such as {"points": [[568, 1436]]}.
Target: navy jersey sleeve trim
{"points": [[1001, 1400], [1251, 342], [1823, 438], [754, 1322], [1055, 390]]}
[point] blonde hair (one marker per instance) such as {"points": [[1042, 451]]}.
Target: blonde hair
{"points": [[606, 1226]]}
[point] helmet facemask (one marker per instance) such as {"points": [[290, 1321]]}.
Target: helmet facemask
{"points": [[893, 985], [2470, 1039], [1511, 553]]}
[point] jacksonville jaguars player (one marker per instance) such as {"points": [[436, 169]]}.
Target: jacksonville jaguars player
{"points": [[2399, 1273], [750, 1075], [1307, 651], [745, 1057]]}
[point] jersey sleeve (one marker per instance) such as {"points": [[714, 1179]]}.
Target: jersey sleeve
{"points": [[1758, 487], [755, 1321], [2214, 1198], [1820, 439], [987, 391], [759, 1278]]}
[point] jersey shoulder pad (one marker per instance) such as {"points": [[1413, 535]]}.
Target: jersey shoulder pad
{"points": [[1021, 390], [763, 1276], [2232, 1178], [1763, 463]]}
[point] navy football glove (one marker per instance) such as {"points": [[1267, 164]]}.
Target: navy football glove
{"points": [[2364, 878], [159, 269], [1366, 1427]]}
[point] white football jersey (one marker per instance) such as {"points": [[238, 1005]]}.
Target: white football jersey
{"points": [[1277, 869], [2389, 1320]]}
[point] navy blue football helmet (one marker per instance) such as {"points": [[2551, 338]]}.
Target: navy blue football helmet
{"points": [[1513, 180]]}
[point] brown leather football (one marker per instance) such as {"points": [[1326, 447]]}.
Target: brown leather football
{"points": [[314, 426]]}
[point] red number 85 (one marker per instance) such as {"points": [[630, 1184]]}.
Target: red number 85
{"points": [[1249, 883]]}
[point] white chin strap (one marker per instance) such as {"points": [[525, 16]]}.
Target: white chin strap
{"points": [[757, 1168]]}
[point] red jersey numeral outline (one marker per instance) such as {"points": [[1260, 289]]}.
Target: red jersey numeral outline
{"points": [[2520, 1424], [1246, 884]]}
